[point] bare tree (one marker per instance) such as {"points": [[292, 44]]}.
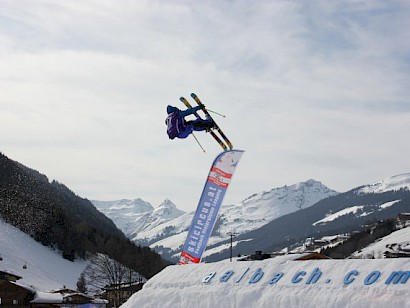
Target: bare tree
{"points": [[103, 272]]}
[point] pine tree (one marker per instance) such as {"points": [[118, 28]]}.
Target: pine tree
{"points": [[81, 284]]}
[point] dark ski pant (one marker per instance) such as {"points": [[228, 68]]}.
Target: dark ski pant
{"points": [[195, 125]]}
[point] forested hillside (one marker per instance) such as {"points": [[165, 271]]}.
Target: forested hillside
{"points": [[56, 217]]}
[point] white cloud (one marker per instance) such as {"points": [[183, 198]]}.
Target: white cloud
{"points": [[311, 90]]}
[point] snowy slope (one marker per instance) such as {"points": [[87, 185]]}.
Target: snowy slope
{"points": [[394, 242], [357, 210], [397, 182], [46, 269]]}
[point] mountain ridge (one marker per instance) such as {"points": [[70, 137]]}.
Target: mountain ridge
{"points": [[252, 213], [261, 208], [294, 227]]}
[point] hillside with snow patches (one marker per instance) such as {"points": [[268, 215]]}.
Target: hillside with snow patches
{"points": [[165, 233], [393, 183], [357, 209], [45, 268], [398, 241]]}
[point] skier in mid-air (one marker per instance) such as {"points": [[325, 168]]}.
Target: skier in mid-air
{"points": [[178, 127]]}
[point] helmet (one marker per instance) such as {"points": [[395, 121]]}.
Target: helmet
{"points": [[171, 109]]}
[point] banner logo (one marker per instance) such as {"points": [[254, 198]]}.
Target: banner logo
{"points": [[217, 183]]}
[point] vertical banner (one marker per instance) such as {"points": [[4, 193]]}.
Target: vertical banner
{"points": [[218, 180]]}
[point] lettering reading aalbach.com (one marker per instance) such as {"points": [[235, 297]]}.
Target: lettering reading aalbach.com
{"points": [[395, 277]]}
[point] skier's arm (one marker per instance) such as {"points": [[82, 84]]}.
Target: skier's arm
{"points": [[189, 111]]}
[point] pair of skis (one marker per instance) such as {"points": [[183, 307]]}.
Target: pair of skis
{"points": [[225, 144]]}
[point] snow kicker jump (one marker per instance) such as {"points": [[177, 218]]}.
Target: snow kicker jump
{"points": [[217, 182]]}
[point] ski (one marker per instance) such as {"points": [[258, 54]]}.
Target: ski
{"points": [[220, 142], [198, 101]]}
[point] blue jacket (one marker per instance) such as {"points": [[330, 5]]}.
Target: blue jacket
{"points": [[176, 125]]}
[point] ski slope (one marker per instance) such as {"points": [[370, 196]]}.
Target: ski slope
{"points": [[46, 269]]}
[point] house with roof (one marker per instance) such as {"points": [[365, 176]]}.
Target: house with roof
{"points": [[9, 276], [13, 294], [120, 293]]}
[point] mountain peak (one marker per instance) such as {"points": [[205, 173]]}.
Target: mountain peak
{"points": [[311, 182], [167, 209], [167, 203], [309, 187], [266, 206], [134, 205], [137, 205]]}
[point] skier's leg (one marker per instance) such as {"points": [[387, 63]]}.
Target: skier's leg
{"points": [[200, 124]]}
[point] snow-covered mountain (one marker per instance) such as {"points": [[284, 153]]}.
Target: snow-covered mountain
{"points": [[397, 182], [344, 213], [166, 234], [127, 215], [259, 217], [166, 211], [135, 216], [263, 207]]}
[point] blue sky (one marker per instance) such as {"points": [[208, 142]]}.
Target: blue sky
{"points": [[311, 89]]}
